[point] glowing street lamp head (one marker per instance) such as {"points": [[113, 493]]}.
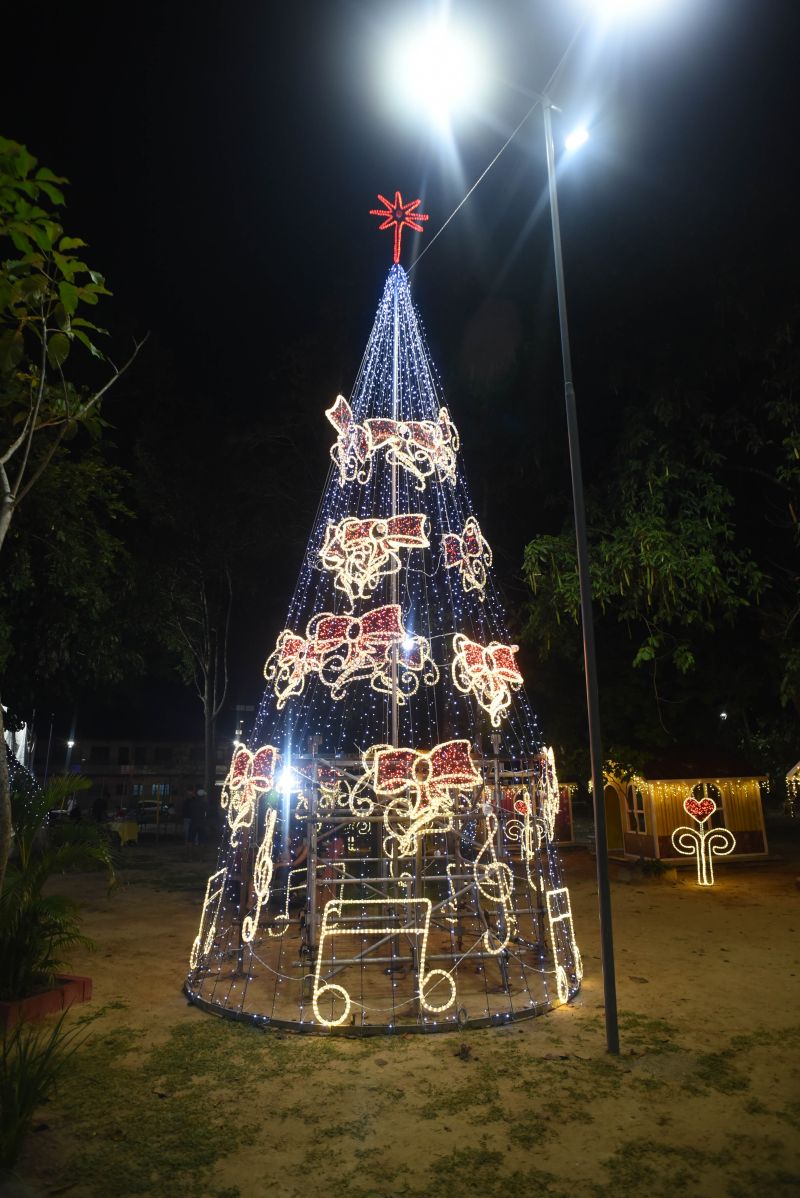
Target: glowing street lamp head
{"points": [[285, 782], [438, 69], [578, 137], [621, 10]]}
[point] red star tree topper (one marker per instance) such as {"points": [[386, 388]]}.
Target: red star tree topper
{"points": [[399, 215]]}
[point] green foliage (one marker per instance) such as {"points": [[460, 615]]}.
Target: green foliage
{"points": [[38, 929], [663, 557], [67, 612], [32, 1060], [46, 285]]}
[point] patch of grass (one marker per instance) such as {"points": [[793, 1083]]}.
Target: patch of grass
{"points": [[642, 1032], [717, 1071], [644, 1167], [775, 1182], [456, 1099], [163, 1135]]}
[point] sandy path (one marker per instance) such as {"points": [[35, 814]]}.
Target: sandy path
{"points": [[704, 1099]]}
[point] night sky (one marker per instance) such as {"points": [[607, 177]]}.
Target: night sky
{"points": [[223, 159]]}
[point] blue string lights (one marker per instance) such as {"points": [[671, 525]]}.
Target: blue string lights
{"points": [[388, 862]]}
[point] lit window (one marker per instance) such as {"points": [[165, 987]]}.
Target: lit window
{"points": [[635, 803]]}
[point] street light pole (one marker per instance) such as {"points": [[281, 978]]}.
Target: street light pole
{"points": [[585, 584]]}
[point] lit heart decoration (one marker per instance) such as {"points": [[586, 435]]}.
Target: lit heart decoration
{"points": [[700, 809]]}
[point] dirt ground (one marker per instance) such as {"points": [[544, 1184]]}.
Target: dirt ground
{"points": [[704, 1099]]}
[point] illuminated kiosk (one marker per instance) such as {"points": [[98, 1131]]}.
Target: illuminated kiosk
{"points": [[388, 859]]}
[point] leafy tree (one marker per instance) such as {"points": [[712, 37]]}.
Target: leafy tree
{"points": [[694, 544], [67, 610], [46, 290]]}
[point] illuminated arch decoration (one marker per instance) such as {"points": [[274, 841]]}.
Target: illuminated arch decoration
{"points": [[470, 554], [489, 672], [703, 843], [423, 447], [340, 650], [360, 553], [400, 216], [249, 775]]}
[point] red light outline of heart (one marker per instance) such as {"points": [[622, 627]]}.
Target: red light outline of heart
{"points": [[699, 809]]}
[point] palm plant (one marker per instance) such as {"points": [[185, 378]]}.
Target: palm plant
{"points": [[38, 929], [31, 1061]]}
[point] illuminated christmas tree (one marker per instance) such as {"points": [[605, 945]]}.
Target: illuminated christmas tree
{"points": [[388, 858]]}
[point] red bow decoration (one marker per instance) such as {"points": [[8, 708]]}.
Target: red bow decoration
{"points": [[470, 552], [420, 446], [341, 649], [429, 776], [250, 774], [362, 552], [489, 672]]}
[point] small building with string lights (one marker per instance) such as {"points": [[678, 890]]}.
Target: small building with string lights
{"points": [[646, 809]]}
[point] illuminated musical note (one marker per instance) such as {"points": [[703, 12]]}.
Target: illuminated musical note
{"points": [[262, 876], [495, 882], [294, 886], [526, 831], [418, 914], [559, 911], [215, 887]]}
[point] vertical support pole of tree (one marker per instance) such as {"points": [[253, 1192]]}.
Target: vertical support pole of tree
{"points": [[584, 580], [394, 578], [311, 864]]}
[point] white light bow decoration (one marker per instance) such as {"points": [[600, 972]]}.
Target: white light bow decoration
{"points": [[340, 649], [359, 553], [423, 447], [249, 775], [417, 788], [703, 843], [489, 672], [469, 552]]}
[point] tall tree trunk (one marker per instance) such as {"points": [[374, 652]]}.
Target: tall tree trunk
{"points": [[210, 756], [5, 803]]}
